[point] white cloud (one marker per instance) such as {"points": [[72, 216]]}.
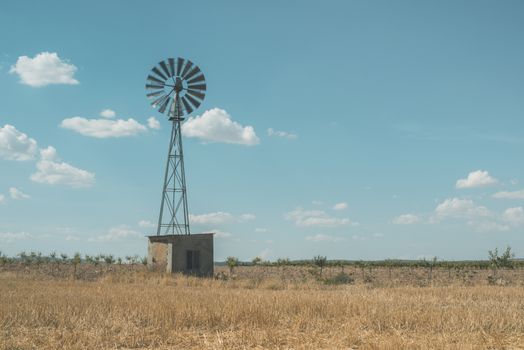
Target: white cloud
{"points": [[509, 195], [488, 226], [477, 178], [246, 217], [215, 125], [211, 218], [153, 123], [406, 219], [221, 234], [146, 224], [51, 171], [72, 238], [282, 134], [340, 206], [460, 208], [15, 145], [17, 194], [44, 69], [48, 153], [2, 199], [514, 216], [315, 218], [323, 238], [108, 113], [116, 234], [261, 230], [219, 218], [103, 128], [8, 237]]}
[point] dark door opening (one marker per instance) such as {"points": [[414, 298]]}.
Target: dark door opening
{"points": [[192, 259]]}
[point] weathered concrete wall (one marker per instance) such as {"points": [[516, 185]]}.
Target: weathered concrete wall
{"points": [[169, 253], [158, 257], [203, 243]]}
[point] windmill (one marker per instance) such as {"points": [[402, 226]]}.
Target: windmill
{"points": [[176, 87]]}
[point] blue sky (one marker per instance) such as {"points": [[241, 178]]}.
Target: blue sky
{"points": [[351, 129]]}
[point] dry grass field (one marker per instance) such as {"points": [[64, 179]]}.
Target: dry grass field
{"points": [[264, 308]]}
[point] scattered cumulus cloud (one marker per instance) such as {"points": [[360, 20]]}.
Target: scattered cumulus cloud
{"points": [[15, 193], [221, 234], [315, 218], [282, 134], [219, 218], [406, 219], [514, 216], [72, 238], [477, 178], [323, 238], [246, 217], [8, 237], [50, 170], [460, 208], [509, 195], [488, 226], [15, 145], [44, 69], [340, 206], [116, 234], [261, 230], [216, 125], [146, 224], [2, 199], [153, 123], [108, 113], [103, 128]]}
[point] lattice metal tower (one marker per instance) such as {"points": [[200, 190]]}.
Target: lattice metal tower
{"points": [[177, 87]]}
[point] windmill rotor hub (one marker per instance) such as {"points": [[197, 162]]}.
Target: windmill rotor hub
{"points": [[179, 86]]}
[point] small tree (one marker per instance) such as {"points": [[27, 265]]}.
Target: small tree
{"points": [[320, 261], [256, 260], [76, 260], [497, 261], [231, 262]]}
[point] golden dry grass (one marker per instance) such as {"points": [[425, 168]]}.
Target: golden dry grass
{"points": [[137, 310]]}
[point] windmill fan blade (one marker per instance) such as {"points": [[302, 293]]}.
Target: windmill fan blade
{"points": [[179, 64], [154, 86], [187, 106], [153, 79], [196, 94], [197, 87], [159, 100], [193, 101], [159, 73], [163, 65], [197, 79], [172, 65], [156, 93], [195, 71], [164, 105], [188, 66]]}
